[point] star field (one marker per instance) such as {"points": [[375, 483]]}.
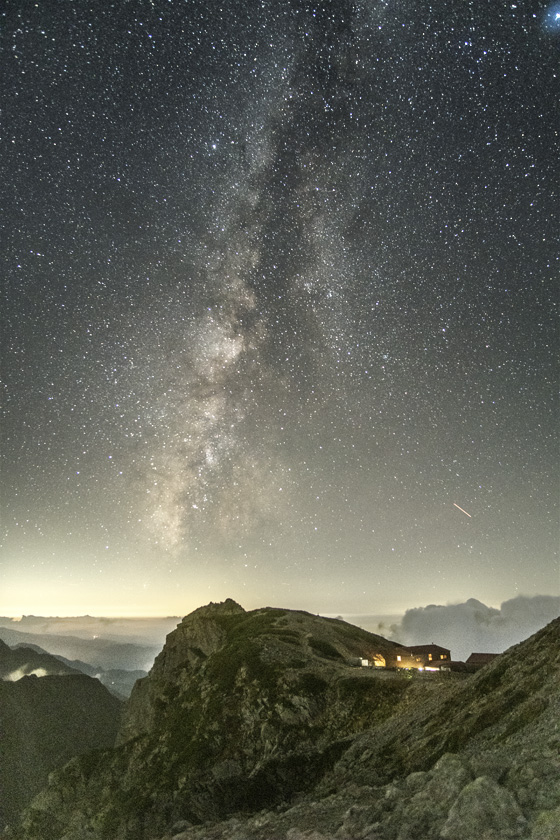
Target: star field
{"points": [[279, 299]]}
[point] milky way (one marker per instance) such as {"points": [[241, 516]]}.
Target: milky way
{"points": [[280, 281]]}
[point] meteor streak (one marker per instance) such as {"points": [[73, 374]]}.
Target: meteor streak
{"points": [[463, 511]]}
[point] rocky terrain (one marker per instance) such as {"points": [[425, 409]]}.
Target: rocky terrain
{"points": [[256, 726]]}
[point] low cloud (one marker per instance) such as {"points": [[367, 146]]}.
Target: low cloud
{"points": [[473, 627], [24, 671]]}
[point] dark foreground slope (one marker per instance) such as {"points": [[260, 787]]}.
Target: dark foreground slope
{"points": [[45, 721], [244, 710]]}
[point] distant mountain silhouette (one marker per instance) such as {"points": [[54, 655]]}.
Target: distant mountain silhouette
{"points": [[21, 661], [25, 659], [100, 653]]}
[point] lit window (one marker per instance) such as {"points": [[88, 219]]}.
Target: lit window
{"points": [[398, 659], [430, 657], [443, 656]]}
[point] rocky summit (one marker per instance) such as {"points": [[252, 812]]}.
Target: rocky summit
{"points": [[261, 726]]}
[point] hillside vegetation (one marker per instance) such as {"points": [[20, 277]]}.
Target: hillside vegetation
{"points": [[255, 725]]}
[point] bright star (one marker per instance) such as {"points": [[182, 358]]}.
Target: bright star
{"points": [[551, 18]]}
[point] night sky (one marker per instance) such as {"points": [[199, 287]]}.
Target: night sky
{"points": [[278, 319]]}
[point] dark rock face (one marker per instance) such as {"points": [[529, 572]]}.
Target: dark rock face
{"points": [[262, 713], [44, 722]]}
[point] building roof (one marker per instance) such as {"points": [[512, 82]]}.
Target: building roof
{"points": [[427, 649], [482, 657]]}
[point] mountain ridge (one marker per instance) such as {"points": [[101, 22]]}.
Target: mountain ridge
{"points": [[23, 661], [245, 711], [102, 653]]}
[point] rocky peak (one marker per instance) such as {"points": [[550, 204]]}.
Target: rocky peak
{"points": [[227, 607], [198, 636]]}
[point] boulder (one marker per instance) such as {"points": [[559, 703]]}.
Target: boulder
{"points": [[484, 811]]}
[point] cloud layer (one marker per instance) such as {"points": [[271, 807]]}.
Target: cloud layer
{"points": [[473, 627]]}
